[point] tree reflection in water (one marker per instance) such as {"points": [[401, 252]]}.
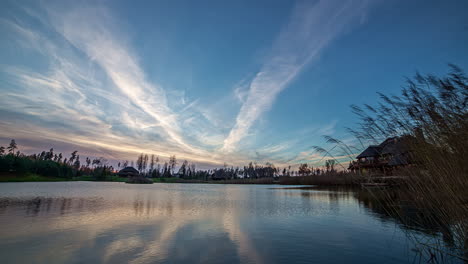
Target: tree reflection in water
{"points": [[203, 224]]}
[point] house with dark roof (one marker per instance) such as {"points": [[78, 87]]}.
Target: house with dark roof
{"points": [[128, 172], [392, 153]]}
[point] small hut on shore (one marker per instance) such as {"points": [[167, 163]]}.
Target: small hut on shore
{"points": [[128, 172]]}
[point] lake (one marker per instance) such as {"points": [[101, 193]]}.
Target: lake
{"points": [[90, 222]]}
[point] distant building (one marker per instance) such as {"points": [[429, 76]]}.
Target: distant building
{"points": [[392, 153], [128, 172]]}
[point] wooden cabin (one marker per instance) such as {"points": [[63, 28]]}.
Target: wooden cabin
{"points": [[392, 153]]}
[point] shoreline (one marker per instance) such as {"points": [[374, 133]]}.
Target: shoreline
{"points": [[305, 181]]}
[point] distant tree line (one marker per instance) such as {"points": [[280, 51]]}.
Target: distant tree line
{"points": [[50, 164], [152, 166], [305, 170]]}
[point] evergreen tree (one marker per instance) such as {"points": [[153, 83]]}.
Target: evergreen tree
{"points": [[12, 147], [304, 169], [49, 155], [183, 169]]}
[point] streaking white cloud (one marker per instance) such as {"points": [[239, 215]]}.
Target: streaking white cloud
{"points": [[313, 25], [102, 99], [89, 30], [89, 90]]}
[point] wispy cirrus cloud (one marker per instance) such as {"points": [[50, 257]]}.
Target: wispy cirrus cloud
{"points": [[313, 26], [91, 92], [87, 87], [91, 89], [100, 44]]}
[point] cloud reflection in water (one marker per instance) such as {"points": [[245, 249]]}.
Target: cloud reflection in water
{"points": [[177, 223]]}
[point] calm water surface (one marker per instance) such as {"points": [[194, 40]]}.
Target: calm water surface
{"points": [[89, 222]]}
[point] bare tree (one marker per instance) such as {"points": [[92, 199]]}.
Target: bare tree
{"points": [[151, 165], [172, 163]]}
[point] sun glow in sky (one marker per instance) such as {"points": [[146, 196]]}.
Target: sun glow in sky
{"points": [[210, 81]]}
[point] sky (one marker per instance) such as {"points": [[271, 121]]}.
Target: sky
{"points": [[213, 82]]}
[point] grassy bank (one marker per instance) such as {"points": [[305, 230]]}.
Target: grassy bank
{"points": [[172, 180], [321, 180], [332, 179], [29, 177], [110, 178]]}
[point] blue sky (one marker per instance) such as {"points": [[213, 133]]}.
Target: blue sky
{"points": [[210, 81]]}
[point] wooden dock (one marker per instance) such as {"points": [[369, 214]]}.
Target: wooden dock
{"points": [[383, 181]]}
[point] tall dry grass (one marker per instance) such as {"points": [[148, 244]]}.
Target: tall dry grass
{"points": [[434, 112], [335, 178]]}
